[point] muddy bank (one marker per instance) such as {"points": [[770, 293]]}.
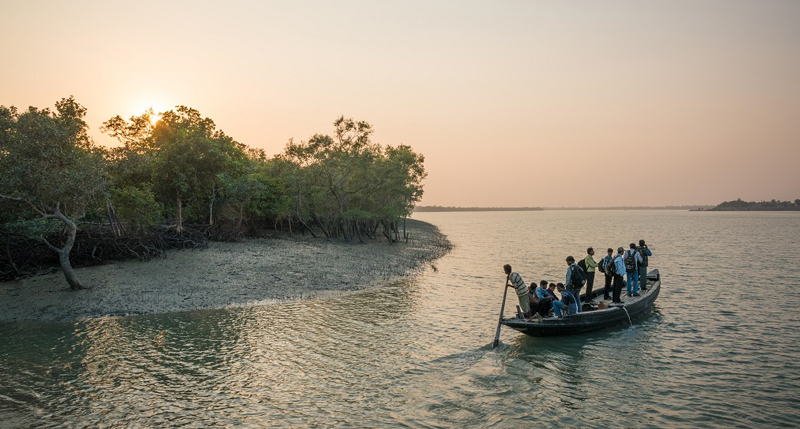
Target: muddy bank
{"points": [[225, 274]]}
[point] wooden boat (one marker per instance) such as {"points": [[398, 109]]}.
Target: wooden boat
{"points": [[592, 318]]}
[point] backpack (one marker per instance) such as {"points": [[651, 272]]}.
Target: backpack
{"points": [[611, 267], [643, 254], [582, 264], [578, 277], [602, 265], [630, 262]]}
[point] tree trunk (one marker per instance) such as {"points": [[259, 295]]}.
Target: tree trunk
{"points": [[211, 205], [63, 255], [321, 226], [308, 228], [179, 215], [113, 220], [386, 230]]}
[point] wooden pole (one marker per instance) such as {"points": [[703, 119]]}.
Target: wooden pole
{"points": [[499, 322]]}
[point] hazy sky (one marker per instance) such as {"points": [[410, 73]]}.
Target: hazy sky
{"points": [[513, 103]]}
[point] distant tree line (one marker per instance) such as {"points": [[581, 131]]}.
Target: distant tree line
{"points": [[474, 209], [773, 205], [57, 187]]}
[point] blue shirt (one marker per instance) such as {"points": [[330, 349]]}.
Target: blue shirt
{"points": [[620, 264], [542, 293], [606, 260], [568, 283], [637, 257]]}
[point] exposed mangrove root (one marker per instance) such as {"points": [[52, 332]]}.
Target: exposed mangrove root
{"points": [[95, 244]]}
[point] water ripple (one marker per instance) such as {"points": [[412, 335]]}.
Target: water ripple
{"points": [[719, 349]]}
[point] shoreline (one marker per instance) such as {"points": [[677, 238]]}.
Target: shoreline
{"points": [[223, 275]]}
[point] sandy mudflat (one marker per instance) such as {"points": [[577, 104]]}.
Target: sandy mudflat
{"points": [[223, 275]]}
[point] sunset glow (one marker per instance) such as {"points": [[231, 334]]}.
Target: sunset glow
{"points": [[511, 103], [154, 118]]}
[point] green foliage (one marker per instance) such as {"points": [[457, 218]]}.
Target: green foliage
{"points": [[49, 164], [342, 184], [36, 228], [137, 207], [47, 159], [191, 157], [346, 184]]}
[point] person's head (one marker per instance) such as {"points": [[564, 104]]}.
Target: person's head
{"points": [[620, 250], [610, 251], [590, 251], [543, 284], [633, 246], [641, 242], [552, 286], [560, 287], [570, 260], [507, 268]]}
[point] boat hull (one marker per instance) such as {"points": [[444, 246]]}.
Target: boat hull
{"points": [[591, 320]]}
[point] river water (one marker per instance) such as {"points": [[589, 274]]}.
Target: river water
{"points": [[720, 348]]}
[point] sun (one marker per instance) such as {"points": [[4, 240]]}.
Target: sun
{"points": [[154, 118], [153, 109]]}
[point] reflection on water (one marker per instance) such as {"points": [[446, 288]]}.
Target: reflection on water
{"points": [[719, 349]]}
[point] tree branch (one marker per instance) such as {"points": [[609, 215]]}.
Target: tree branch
{"points": [[26, 201]]}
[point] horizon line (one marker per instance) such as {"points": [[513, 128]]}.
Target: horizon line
{"points": [[489, 208]]}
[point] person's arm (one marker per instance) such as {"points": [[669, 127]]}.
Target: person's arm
{"points": [[569, 276], [590, 263]]}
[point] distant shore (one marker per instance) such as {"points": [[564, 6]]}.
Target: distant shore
{"points": [[225, 274], [756, 206]]}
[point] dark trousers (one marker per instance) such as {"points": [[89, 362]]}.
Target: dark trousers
{"points": [[618, 282], [643, 278], [589, 285], [607, 289]]}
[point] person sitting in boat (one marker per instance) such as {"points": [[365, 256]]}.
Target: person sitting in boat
{"points": [[543, 300], [534, 300], [552, 291], [567, 300], [519, 285], [549, 298]]}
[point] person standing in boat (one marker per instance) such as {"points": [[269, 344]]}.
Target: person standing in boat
{"points": [[632, 269], [644, 252], [519, 285], [609, 259], [573, 282], [619, 268], [591, 265]]}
